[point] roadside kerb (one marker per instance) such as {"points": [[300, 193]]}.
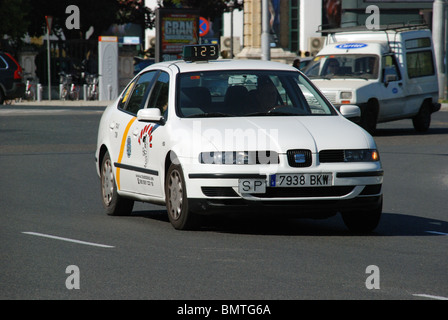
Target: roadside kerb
{"points": [[65, 103]]}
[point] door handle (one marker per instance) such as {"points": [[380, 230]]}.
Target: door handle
{"points": [[135, 132], [112, 125]]}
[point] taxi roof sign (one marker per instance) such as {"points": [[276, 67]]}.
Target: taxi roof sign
{"points": [[200, 52]]}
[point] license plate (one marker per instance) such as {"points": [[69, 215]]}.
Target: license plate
{"points": [[301, 180], [252, 185]]}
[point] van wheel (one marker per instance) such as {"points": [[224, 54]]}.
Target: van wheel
{"points": [[176, 199], [369, 115], [113, 203], [422, 120], [363, 221]]}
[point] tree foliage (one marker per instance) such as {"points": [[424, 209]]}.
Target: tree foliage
{"points": [[207, 8], [134, 11], [19, 17], [13, 18]]}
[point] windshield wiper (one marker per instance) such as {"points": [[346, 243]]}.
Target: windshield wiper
{"points": [[365, 76], [209, 115], [273, 113], [327, 76]]}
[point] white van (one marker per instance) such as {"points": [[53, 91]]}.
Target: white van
{"points": [[390, 73]]}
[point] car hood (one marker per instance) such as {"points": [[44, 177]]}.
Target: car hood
{"points": [[277, 133], [346, 84]]}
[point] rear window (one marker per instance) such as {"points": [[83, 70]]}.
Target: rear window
{"points": [[3, 64], [420, 64]]}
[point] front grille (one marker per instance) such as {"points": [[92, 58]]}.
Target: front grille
{"points": [[299, 158], [331, 96], [331, 156], [219, 192], [371, 190], [305, 192]]}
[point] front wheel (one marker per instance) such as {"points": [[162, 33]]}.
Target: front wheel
{"points": [[176, 199], [113, 203], [363, 221], [422, 120], [369, 117]]}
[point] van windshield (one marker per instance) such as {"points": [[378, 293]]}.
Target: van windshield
{"points": [[343, 66]]}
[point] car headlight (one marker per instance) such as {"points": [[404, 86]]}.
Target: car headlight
{"points": [[346, 95], [361, 155], [239, 157]]}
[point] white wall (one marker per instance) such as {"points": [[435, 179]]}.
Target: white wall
{"points": [[310, 20], [238, 21], [152, 4]]}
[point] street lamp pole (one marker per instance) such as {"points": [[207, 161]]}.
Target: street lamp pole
{"points": [[438, 29], [49, 20], [265, 49], [231, 7]]}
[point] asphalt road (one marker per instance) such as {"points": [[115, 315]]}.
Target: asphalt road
{"points": [[56, 242]]}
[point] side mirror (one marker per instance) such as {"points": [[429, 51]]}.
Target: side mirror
{"points": [[150, 115], [389, 78], [350, 112]]}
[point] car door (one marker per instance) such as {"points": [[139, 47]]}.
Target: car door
{"points": [[148, 154], [391, 93], [123, 123]]}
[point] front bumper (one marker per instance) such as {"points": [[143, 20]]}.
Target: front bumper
{"points": [[293, 208], [361, 189]]}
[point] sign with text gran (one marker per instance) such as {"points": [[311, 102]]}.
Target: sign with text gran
{"points": [[175, 28]]}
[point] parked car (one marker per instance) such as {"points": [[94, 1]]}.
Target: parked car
{"points": [[11, 84], [205, 136]]}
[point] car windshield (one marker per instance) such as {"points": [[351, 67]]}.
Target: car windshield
{"points": [[248, 93], [362, 66]]}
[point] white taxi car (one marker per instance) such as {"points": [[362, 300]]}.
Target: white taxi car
{"points": [[205, 135]]}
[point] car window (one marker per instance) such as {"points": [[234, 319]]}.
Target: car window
{"points": [[248, 93], [135, 95], [3, 64], [390, 67], [420, 64], [159, 95]]}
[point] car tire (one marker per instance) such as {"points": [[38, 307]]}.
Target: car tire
{"points": [[2, 96], [363, 221], [180, 216], [113, 203], [369, 115], [422, 120]]}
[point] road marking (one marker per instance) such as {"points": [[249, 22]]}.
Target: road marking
{"points": [[37, 112], [67, 239], [436, 232], [430, 296]]}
